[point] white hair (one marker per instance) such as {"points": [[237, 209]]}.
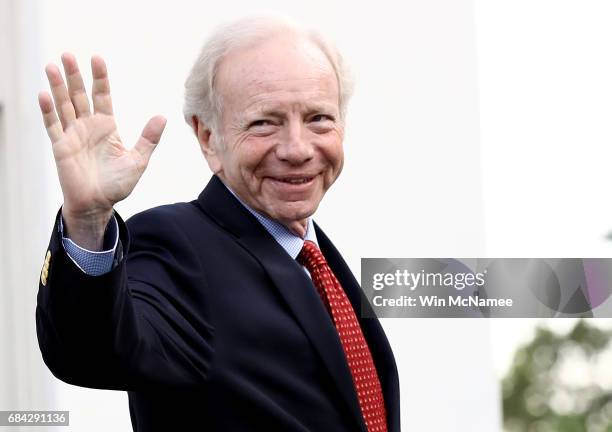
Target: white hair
{"points": [[201, 98]]}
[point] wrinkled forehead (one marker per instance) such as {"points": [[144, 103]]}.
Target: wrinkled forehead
{"points": [[280, 70]]}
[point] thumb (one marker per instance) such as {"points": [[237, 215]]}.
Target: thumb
{"points": [[150, 136]]}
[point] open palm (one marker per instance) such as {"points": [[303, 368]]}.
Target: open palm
{"points": [[94, 168]]}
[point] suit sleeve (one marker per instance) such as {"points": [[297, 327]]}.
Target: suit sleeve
{"points": [[130, 328]]}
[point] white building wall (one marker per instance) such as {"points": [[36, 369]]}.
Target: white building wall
{"points": [[25, 383]]}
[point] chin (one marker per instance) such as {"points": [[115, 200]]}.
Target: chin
{"points": [[290, 213]]}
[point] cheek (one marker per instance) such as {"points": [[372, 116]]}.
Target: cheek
{"points": [[333, 152], [340, 155], [253, 159], [333, 157], [252, 154]]}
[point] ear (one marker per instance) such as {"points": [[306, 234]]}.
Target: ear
{"points": [[209, 149]]}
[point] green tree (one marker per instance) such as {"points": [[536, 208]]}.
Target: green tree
{"points": [[560, 383]]}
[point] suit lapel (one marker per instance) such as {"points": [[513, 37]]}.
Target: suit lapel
{"points": [[292, 283]]}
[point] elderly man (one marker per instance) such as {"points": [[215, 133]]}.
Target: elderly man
{"points": [[233, 312]]}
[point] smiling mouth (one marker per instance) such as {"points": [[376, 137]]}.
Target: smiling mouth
{"points": [[293, 180]]}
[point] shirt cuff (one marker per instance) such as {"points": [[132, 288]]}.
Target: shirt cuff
{"points": [[93, 263]]}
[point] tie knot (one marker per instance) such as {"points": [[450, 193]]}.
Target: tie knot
{"points": [[310, 256]]}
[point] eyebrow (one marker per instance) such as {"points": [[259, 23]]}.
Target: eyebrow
{"points": [[275, 112]]}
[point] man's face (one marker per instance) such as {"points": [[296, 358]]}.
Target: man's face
{"points": [[281, 128]]}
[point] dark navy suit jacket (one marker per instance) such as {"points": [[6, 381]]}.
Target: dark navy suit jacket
{"points": [[209, 325]]}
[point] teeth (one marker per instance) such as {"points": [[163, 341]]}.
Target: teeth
{"points": [[296, 181]]}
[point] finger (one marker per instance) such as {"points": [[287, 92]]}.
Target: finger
{"points": [[63, 105], [150, 137], [52, 123], [76, 88], [101, 88]]}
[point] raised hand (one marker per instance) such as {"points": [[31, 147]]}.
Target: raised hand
{"points": [[94, 168]]}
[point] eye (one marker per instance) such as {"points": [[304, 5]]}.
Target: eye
{"points": [[261, 122], [321, 117], [321, 123], [262, 127]]}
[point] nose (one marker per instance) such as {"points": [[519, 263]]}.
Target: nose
{"points": [[295, 147]]}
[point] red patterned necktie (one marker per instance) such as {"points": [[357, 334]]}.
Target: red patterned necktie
{"points": [[358, 356]]}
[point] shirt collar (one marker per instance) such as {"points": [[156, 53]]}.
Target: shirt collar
{"points": [[290, 242]]}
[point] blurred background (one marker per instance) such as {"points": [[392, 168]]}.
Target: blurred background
{"points": [[478, 128], [560, 381]]}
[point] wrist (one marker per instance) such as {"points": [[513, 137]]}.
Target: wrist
{"points": [[86, 229]]}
